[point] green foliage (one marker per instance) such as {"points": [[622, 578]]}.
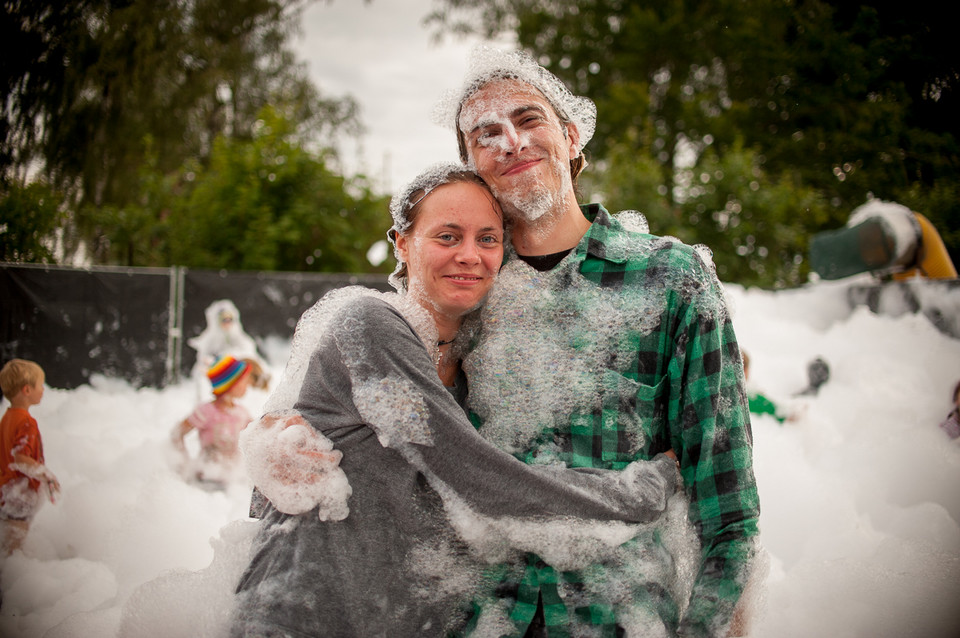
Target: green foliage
{"points": [[748, 218], [94, 80], [176, 131], [137, 230], [756, 223], [831, 102], [263, 203], [28, 217], [268, 204]]}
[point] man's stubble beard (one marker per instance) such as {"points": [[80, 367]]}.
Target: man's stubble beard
{"points": [[530, 202]]}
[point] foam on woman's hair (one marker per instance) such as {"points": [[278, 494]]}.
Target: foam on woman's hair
{"points": [[410, 196]]}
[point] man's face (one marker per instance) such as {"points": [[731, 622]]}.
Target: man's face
{"points": [[516, 142]]}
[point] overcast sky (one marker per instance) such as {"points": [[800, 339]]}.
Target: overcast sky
{"points": [[380, 53]]}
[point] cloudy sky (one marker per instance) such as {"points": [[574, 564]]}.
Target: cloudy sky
{"points": [[380, 53]]}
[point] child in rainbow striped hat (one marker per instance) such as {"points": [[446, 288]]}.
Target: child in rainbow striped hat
{"points": [[219, 422]]}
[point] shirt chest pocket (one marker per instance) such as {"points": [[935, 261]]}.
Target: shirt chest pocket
{"points": [[627, 419]]}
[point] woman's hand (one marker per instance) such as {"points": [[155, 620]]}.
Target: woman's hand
{"points": [[295, 466], [305, 455], [651, 484]]}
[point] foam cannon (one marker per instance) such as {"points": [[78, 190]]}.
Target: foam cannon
{"points": [[883, 238]]}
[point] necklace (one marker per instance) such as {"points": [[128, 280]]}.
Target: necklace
{"points": [[440, 343]]}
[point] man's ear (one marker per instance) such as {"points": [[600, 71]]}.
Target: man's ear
{"points": [[401, 243], [573, 139]]}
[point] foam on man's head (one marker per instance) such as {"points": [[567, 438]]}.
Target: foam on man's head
{"points": [[488, 64]]}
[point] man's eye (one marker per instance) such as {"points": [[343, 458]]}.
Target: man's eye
{"points": [[487, 134]]}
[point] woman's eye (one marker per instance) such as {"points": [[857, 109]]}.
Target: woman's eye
{"points": [[446, 237], [490, 239]]}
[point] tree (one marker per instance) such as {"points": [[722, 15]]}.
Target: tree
{"points": [[729, 203], [98, 88], [846, 100], [268, 204], [29, 215]]}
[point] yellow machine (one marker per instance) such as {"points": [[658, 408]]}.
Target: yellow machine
{"points": [[886, 239]]}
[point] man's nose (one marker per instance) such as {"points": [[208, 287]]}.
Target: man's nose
{"points": [[511, 139]]}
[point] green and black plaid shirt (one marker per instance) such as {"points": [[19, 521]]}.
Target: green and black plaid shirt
{"points": [[670, 377]]}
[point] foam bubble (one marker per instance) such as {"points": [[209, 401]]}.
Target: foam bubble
{"points": [[315, 322], [295, 467], [549, 341]]}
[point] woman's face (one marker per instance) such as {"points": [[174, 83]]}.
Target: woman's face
{"points": [[454, 249]]}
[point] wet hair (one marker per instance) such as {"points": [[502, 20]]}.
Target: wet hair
{"points": [[407, 203], [18, 373], [577, 164], [259, 379]]}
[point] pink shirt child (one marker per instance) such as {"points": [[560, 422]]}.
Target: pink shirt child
{"points": [[219, 422], [218, 425]]}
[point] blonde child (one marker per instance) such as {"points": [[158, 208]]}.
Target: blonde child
{"points": [[219, 422], [24, 478]]}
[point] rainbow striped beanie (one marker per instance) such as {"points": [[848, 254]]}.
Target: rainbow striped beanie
{"points": [[225, 373]]}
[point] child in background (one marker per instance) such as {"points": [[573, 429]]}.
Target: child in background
{"points": [[219, 422], [818, 373], [259, 378], [759, 404], [24, 479], [224, 335], [951, 424]]}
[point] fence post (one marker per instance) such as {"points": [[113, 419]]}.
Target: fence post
{"points": [[175, 325]]}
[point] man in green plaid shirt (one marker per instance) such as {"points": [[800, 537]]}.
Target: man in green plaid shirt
{"points": [[600, 345]]}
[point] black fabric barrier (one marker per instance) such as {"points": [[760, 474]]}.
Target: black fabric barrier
{"points": [[75, 323], [270, 303], [133, 323]]}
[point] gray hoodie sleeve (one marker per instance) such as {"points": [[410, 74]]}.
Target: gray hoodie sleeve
{"points": [[396, 391]]}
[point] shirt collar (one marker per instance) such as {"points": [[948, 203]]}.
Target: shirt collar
{"points": [[603, 226]]}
